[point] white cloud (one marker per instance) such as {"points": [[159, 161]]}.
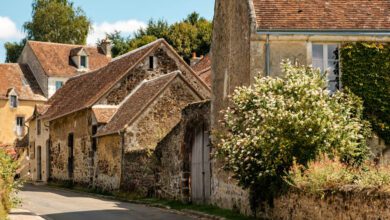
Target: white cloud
{"points": [[8, 30], [125, 27]]}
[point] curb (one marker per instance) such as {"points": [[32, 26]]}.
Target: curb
{"points": [[22, 214]]}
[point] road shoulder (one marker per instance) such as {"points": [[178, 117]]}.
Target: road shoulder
{"points": [[22, 214]]}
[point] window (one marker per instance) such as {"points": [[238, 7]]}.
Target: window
{"points": [[151, 62], [326, 58], [59, 84], [13, 101], [38, 127], [83, 61], [19, 126], [94, 139], [70, 140]]}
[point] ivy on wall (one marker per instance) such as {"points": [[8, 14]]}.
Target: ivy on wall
{"points": [[366, 72]]}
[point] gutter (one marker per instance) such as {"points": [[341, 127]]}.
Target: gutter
{"points": [[379, 33], [267, 56]]}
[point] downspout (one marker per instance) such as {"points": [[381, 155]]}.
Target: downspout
{"points": [[267, 56], [122, 136]]}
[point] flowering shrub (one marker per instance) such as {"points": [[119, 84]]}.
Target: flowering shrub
{"points": [[279, 119], [327, 174], [8, 167]]}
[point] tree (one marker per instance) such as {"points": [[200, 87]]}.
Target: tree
{"points": [[52, 21], [193, 34], [278, 121], [57, 21], [13, 50]]}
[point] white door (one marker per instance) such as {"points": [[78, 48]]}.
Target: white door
{"points": [[200, 166]]}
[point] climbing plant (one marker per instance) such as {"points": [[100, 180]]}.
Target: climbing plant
{"points": [[278, 121], [366, 72]]}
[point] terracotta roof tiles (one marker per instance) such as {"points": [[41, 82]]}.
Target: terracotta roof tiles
{"points": [[322, 14], [19, 77], [103, 113], [83, 91], [203, 69], [55, 58], [136, 102]]}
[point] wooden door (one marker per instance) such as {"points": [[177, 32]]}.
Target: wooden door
{"points": [[39, 163], [200, 166]]}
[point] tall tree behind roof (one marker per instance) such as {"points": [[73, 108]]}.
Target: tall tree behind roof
{"points": [[56, 21]]}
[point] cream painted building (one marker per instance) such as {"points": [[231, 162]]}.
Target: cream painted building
{"points": [[19, 93]]}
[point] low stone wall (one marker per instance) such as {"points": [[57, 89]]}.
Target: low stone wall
{"points": [[338, 206]]}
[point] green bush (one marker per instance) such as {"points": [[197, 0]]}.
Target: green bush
{"points": [[279, 120], [8, 168], [366, 72]]}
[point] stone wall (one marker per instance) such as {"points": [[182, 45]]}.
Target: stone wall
{"points": [[142, 137], [334, 205], [80, 124], [108, 164], [233, 27], [164, 64]]}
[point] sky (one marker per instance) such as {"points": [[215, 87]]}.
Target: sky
{"points": [[106, 16]]}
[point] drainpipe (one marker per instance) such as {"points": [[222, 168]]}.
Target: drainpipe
{"points": [[267, 56], [122, 135]]}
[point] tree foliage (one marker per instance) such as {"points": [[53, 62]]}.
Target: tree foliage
{"points": [[8, 168], [366, 72], [57, 21], [14, 49], [52, 21], [193, 34], [281, 120]]}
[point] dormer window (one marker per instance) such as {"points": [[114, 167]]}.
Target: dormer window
{"points": [[79, 57], [13, 101], [83, 62]]}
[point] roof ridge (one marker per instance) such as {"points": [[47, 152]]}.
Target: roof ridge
{"points": [[137, 49], [63, 44]]}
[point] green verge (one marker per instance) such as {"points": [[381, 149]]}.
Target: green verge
{"points": [[167, 204], [366, 72]]}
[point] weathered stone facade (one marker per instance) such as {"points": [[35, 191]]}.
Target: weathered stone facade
{"points": [[80, 125]]}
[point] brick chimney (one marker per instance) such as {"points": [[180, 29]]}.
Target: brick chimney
{"points": [[194, 59], [106, 45]]}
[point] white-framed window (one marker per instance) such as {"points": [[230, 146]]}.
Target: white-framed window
{"points": [[20, 126], [326, 58], [59, 84], [83, 62], [13, 100]]}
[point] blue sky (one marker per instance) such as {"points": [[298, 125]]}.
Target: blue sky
{"points": [[106, 16]]}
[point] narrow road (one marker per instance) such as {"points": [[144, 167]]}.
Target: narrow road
{"points": [[57, 204]]}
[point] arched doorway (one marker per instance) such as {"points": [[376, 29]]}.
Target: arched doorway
{"points": [[200, 165], [39, 163]]}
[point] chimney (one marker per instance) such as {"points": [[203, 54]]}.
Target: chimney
{"points": [[194, 59], [106, 45]]}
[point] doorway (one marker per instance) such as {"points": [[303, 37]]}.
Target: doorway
{"points": [[70, 155], [200, 166]]}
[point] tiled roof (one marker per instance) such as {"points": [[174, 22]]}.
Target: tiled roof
{"points": [[137, 102], [322, 14], [55, 58], [19, 77], [203, 69], [83, 91], [103, 113]]}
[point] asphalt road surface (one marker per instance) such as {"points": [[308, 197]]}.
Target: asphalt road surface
{"points": [[56, 204]]}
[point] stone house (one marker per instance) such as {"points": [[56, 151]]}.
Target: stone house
{"points": [[251, 38], [87, 103], [19, 93], [142, 120], [53, 63]]}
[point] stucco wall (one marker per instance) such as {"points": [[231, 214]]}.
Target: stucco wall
{"points": [[80, 124], [108, 164], [28, 57], [8, 118], [42, 141]]}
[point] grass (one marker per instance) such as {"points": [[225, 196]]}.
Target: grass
{"points": [[170, 204]]}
